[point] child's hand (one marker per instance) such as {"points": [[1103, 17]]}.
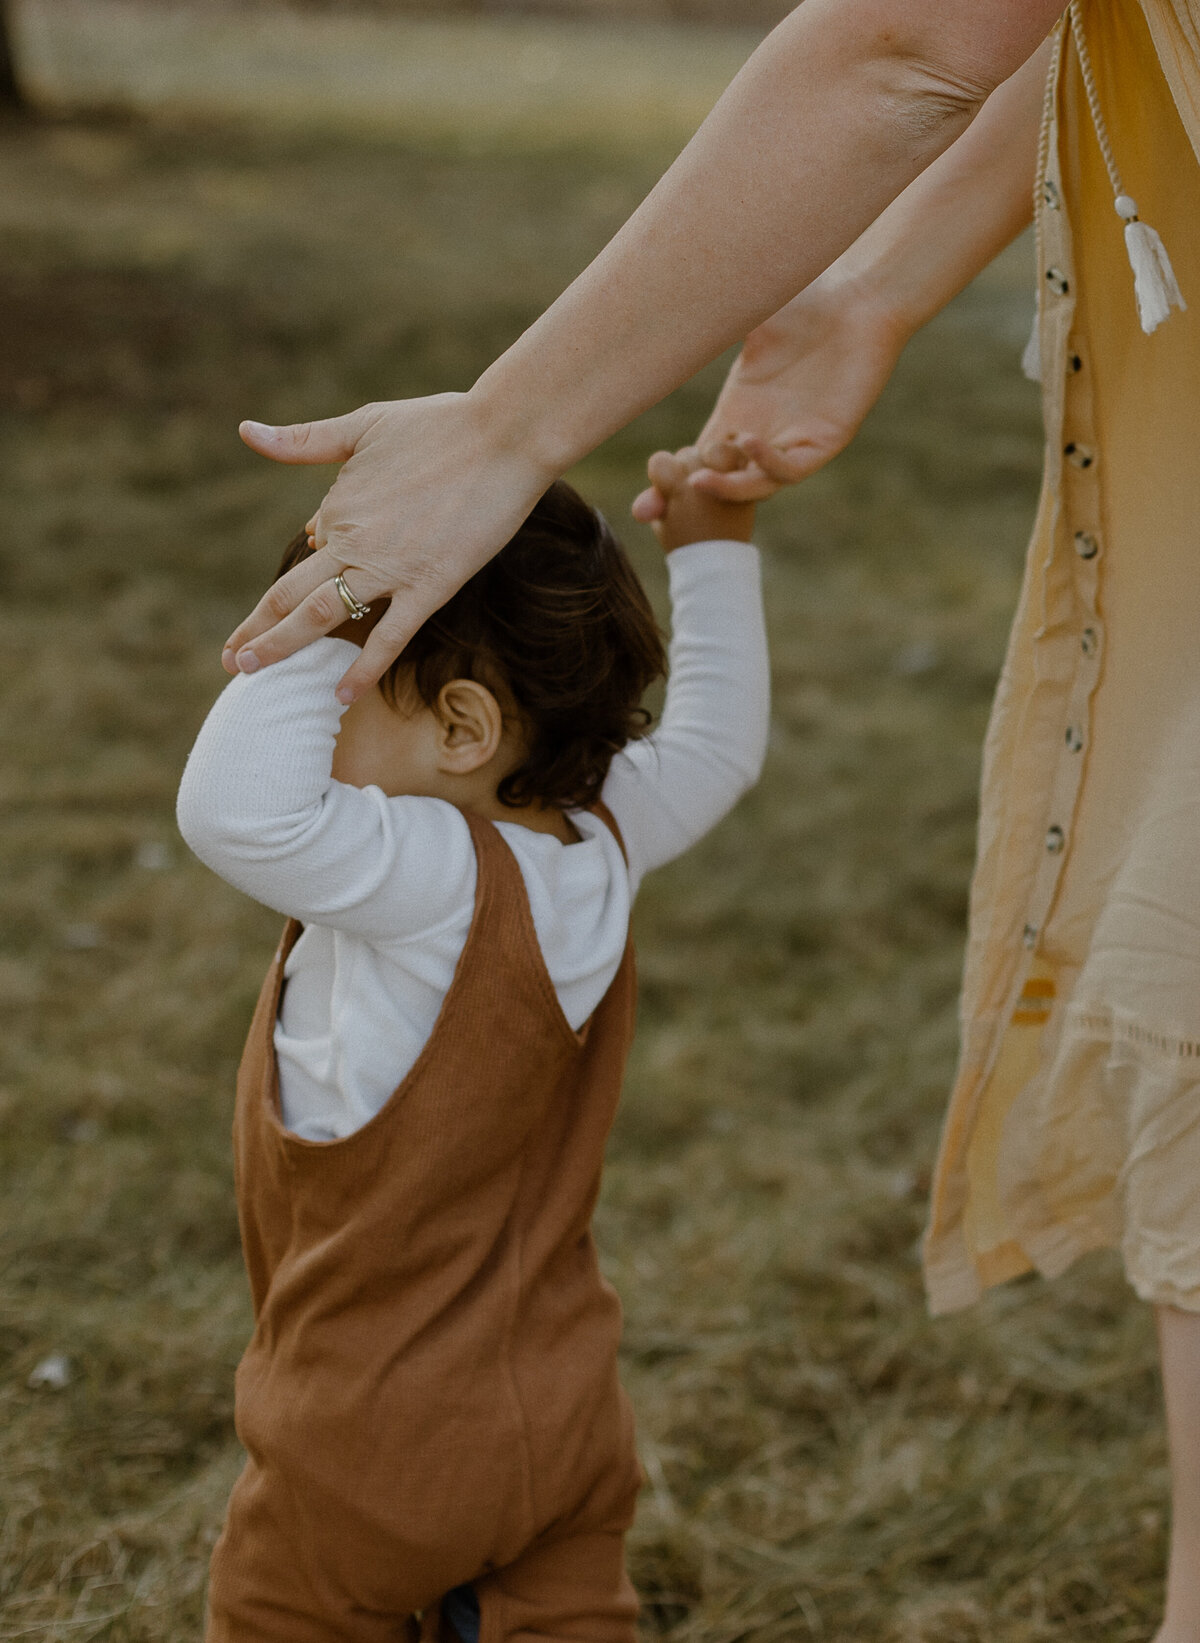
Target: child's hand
{"points": [[691, 515]]}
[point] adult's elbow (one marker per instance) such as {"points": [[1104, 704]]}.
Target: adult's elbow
{"points": [[933, 64], [923, 106]]}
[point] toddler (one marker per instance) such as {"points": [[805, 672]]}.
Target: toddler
{"points": [[438, 1446]]}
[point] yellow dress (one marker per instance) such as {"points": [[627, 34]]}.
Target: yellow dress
{"points": [[1075, 1119]]}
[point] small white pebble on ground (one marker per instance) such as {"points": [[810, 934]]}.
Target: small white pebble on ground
{"points": [[921, 656], [81, 938], [52, 1374], [152, 855]]}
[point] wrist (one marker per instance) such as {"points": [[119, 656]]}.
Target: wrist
{"points": [[862, 296], [697, 517], [518, 427], [889, 284]]}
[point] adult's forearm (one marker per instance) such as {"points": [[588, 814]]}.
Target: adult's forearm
{"points": [[832, 118], [835, 115], [957, 215]]}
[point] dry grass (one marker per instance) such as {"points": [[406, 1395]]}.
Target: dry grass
{"points": [[824, 1461], [620, 80]]}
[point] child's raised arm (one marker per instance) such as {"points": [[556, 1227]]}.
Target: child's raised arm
{"points": [[259, 805], [670, 789]]}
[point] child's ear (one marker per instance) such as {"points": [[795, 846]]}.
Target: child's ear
{"points": [[472, 726]]}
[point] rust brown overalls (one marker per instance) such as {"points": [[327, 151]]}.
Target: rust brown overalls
{"points": [[430, 1395]]}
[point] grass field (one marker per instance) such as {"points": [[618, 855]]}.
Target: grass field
{"points": [[824, 1462]]}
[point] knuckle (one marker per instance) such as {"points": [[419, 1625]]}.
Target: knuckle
{"points": [[343, 536], [276, 602], [425, 578], [325, 605]]}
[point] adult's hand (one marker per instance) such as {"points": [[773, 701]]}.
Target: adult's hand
{"points": [[795, 396], [427, 495], [806, 378], [839, 110]]}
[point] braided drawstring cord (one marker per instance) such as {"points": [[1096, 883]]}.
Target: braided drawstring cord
{"points": [[1155, 286]]}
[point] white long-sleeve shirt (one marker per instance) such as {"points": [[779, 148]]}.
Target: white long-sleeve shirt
{"points": [[385, 887]]}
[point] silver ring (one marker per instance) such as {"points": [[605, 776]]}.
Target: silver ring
{"points": [[355, 607]]}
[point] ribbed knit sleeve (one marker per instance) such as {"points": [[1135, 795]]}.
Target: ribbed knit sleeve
{"points": [[669, 789], [259, 805]]}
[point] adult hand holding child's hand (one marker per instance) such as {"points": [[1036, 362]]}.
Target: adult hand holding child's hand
{"points": [[689, 515], [794, 398], [428, 492]]}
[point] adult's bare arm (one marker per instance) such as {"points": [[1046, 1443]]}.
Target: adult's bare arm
{"points": [[799, 390], [805, 379], [832, 117]]}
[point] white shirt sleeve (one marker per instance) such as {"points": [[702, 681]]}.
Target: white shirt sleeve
{"points": [[667, 790], [259, 806]]}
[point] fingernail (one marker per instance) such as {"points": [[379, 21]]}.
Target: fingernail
{"points": [[263, 428], [247, 662], [345, 695]]}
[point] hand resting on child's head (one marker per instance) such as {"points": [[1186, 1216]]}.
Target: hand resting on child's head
{"points": [[462, 744], [510, 701]]}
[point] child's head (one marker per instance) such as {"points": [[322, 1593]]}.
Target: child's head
{"points": [[553, 644]]}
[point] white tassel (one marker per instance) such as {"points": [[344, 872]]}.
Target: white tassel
{"points": [[1031, 359], [1154, 283]]}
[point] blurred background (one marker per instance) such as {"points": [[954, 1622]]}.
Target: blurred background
{"points": [[211, 211]]}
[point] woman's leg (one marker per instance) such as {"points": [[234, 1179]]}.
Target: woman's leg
{"points": [[1179, 1344]]}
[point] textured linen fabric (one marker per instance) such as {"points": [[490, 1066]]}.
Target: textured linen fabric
{"points": [[1075, 1120], [385, 887]]}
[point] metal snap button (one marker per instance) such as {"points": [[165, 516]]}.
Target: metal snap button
{"points": [[1057, 281], [1086, 545], [1081, 456], [1029, 935], [1089, 641], [1074, 739], [1055, 839], [1074, 364], [1051, 195]]}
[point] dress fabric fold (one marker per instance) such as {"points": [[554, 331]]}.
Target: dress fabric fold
{"points": [[1074, 1123]]}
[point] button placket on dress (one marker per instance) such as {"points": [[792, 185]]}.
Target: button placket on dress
{"points": [[1019, 1127], [1070, 640]]}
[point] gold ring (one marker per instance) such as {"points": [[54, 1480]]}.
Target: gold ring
{"points": [[355, 607]]}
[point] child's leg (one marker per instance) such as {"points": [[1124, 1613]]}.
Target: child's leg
{"points": [[1179, 1344], [460, 1615], [267, 1586], [571, 1590]]}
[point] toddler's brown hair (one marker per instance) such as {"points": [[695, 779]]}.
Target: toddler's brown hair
{"points": [[558, 626]]}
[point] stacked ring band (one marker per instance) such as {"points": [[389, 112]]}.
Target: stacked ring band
{"points": [[355, 607]]}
